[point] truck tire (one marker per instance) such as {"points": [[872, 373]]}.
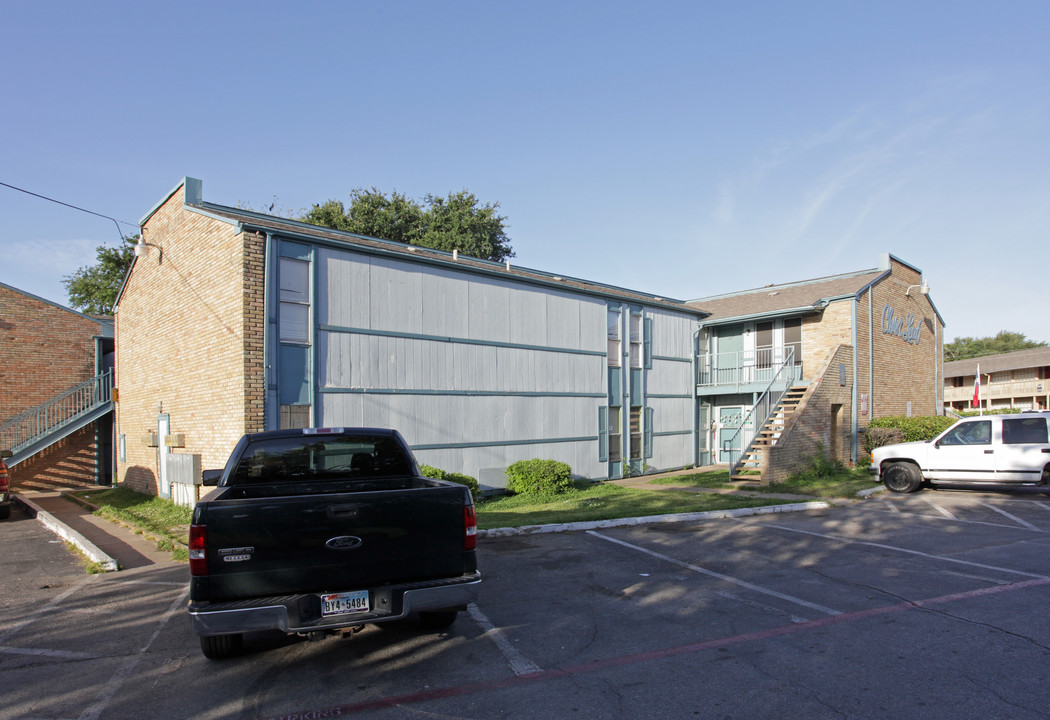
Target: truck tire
{"points": [[902, 477], [437, 619], [217, 647]]}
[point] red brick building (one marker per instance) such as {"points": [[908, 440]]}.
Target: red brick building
{"points": [[55, 410]]}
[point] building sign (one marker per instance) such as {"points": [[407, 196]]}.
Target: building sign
{"points": [[908, 329]]}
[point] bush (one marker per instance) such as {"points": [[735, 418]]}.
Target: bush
{"points": [[539, 476], [876, 437], [915, 428], [439, 474]]}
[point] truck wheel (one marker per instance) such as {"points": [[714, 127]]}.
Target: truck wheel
{"points": [[902, 477], [217, 647], [437, 620], [5, 512]]}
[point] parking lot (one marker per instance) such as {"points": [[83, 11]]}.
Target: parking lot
{"points": [[929, 605]]}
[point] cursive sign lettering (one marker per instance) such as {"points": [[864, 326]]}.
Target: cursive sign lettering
{"points": [[908, 329]]}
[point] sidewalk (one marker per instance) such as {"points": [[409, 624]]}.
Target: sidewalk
{"points": [[111, 545]]}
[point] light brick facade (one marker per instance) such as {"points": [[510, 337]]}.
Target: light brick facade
{"points": [[189, 340]]}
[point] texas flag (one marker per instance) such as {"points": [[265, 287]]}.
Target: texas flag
{"points": [[976, 402]]}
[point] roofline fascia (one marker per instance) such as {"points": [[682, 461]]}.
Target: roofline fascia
{"points": [[803, 310], [799, 283], [397, 250], [52, 303]]}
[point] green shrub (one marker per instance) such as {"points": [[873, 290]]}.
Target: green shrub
{"points": [[537, 476], [915, 428], [460, 478]]}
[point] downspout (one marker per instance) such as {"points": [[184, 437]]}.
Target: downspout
{"points": [[871, 355], [696, 398], [269, 411], [853, 390]]}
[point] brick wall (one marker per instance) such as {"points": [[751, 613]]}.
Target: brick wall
{"points": [[71, 462], [45, 350], [894, 371], [822, 424], [822, 334], [189, 340]]}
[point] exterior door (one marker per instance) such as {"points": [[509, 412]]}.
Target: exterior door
{"points": [[964, 453], [727, 433], [1025, 449], [730, 357]]}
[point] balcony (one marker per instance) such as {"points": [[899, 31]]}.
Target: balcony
{"points": [[1025, 391], [743, 371]]}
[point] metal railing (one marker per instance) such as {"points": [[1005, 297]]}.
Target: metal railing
{"points": [[783, 376], [744, 367], [58, 413]]}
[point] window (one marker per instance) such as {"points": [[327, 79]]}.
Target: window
{"points": [[764, 344], [636, 340], [615, 438], [969, 433], [636, 433], [295, 301], [793, 339], [614, 338], [1019, 431]]}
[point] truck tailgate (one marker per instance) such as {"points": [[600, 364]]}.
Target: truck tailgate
{"points": [[318, 543]]}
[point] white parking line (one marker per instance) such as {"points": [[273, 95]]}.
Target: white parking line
{"points": [[892, 506], [1019, 521], [720, 576], [883, 546], [939, 509], [519, 664]]}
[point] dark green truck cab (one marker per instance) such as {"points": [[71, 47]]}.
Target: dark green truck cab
{"points": [[323, 530]]}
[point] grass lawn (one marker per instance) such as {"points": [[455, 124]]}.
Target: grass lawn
{"points": [[159, 517], [602, 501], [845, 483]]}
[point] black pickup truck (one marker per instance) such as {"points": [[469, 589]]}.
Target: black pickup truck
{"points": [[323, 530]]}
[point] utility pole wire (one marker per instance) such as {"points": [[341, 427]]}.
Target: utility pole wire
{"points": [[116, 222]]}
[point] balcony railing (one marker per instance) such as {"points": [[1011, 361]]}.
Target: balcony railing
{"points": [[745, 367], [781, 378], [24, 430]]}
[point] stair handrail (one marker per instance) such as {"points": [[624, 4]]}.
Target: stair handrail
{"points": [[57, 412], [766, 399]]}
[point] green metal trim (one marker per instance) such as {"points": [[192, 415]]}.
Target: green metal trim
{"points": [[460, 341], [667, 433], [460, 393], [669, 396], [499, 443], [668, 358]]}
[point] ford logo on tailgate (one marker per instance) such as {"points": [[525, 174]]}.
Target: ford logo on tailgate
{"points": [[345, 542]]}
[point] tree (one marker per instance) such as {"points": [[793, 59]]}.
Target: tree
{"points": [[1004, 341], [93, 289], [455, 222]]}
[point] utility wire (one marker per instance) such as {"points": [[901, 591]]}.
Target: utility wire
{"points": [[116, 222]]}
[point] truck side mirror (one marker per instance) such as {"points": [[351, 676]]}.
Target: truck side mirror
{"points": [[211, 477]]}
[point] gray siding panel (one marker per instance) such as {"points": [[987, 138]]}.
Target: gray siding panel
{"points": [[498, 369]]}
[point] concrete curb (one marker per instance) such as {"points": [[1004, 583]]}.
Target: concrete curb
{"points": [[651, 519], [105, 562]]}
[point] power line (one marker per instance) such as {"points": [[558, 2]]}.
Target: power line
{"points": [[116, 222]]}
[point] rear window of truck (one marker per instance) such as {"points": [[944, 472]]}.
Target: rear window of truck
{"points": [[320, 458]]}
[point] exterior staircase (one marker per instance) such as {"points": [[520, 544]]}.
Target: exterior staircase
{"points": [[754, 457], [41, 427]]}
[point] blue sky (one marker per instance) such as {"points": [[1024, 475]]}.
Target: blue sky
{"points": [[685, 149]]}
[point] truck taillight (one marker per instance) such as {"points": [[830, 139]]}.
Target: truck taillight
{"points": [[4, 480], [470, 528], [198, 552]]}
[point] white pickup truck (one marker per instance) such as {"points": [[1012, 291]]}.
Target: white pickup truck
{"points": [[988, 450]]}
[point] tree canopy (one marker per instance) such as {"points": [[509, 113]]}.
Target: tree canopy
{"points": [[93, 289], [456, 222], [1004, 341]]}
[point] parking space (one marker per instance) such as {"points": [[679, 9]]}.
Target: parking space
{"points": [[921, 605]]}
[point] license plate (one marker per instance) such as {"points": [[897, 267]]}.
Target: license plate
{"points": [[344, 603]]}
